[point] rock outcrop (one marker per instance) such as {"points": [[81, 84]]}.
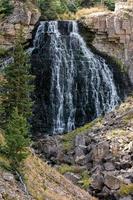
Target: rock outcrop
{"points": [[113, 33], [24, 14]]}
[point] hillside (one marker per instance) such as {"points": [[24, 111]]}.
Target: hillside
{"points": [[97, 156], [42, 182]]}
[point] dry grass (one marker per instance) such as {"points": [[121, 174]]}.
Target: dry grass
{"points": [[82, 13], [44, 182], [116, 133], [68, 16], [87, 11]]}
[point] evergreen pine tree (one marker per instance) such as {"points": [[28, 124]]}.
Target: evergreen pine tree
{"points": [[51, 8], [5, 7], [16, 139], [18, 87], [2, 98]]}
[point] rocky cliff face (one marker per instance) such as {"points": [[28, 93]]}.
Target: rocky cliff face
{"points": [[113, 33], [25, 14]]}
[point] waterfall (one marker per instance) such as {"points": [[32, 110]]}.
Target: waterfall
{"points": [[73, 85]]}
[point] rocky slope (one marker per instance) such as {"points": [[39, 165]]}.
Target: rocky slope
{"points": [[98, 156], [39, 182], [24, 14], [9, 188], [112, 33]]}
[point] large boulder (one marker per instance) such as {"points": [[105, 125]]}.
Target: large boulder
{"points": [[8, 177], [80, 157], [80, 141], [111, 182], [100, 151], [72, 177], [109, 166], [97, 181]]}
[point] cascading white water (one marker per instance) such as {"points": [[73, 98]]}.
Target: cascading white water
{"points": [[73, 85]]}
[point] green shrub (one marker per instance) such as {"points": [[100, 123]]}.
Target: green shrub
{"points": [[16, 139], [16, 92], [66, 168], [5, 8], [86, 180], [126, 189], [110, 4], [3, 52], [72, 6], [52, 9]]}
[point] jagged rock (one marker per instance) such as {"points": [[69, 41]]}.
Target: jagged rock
{"points": [[106, 190], [72, 177], [80, 156], [48, 146], [125, 165], [115, 146], [97, 182], [117, 165], [109, 166], [111, 182], [62, 158], [88, 158], [2, 190], [89, 147], [80, 141], [100, 151], [8, 177], [97, 169]]}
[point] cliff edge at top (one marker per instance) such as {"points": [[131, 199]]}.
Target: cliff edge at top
{"points": [[113, 33], [25, 14]]}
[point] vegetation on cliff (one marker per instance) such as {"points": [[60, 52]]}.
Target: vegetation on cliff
{"points": [[58, 9], [5, 8], [18, 86], [16, 105]]}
